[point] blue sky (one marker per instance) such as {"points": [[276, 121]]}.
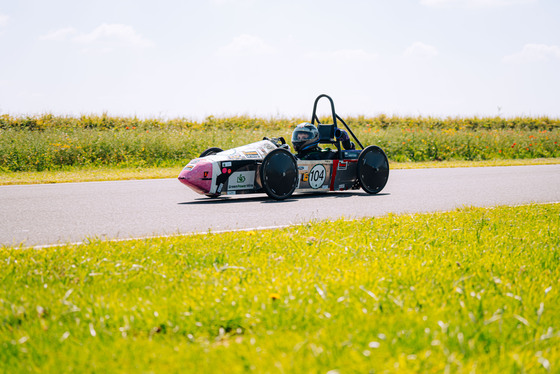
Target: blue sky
{"points": [[192, 59]]}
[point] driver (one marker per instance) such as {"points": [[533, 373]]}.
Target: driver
{"points": [[305, 140]]}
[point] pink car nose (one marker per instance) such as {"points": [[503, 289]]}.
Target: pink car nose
{"points": [[197, 177]]}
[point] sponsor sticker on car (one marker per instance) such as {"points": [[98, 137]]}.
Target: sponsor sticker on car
{"points": [[241, 180], [251, 154]]}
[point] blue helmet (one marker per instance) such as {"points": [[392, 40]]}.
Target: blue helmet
{"points": [[305, 136]]}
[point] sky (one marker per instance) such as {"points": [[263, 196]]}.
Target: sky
{"points": [[193, 59]]}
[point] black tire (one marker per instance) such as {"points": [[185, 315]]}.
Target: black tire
{"points": [[279, 174], [373, 169], [211, 151]]}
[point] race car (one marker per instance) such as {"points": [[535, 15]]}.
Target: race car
{"points": [[269, 166]]}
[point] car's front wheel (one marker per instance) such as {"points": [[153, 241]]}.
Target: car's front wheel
{"points": [[373, 169], [279, 174], [211, 151]]}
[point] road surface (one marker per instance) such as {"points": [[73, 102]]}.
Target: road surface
{"points": [[33, 215]]}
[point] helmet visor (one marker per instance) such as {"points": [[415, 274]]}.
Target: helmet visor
{"points": [[301, 136]]}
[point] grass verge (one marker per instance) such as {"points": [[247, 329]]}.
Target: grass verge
{"points": [[462, 291], [87, 175], [113, 173]]}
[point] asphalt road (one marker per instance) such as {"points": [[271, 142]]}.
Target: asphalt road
{"points": [[45, 214]]}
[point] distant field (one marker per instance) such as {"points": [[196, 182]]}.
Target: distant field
{"points": [[474, 290], [64, 143]]}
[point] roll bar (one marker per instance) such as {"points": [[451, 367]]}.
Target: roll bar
{"points": [[334, 117]]}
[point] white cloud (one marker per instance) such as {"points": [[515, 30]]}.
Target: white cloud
{"points": [[421, 51], [59, 35], [344, 55], [114, 33], [534, 53], [105, 37], [3, 20], [473, 3], [246, 45]]}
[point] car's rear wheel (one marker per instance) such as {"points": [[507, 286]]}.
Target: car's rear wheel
{"points": [[373, 169], [211, 151], [279, 174]]}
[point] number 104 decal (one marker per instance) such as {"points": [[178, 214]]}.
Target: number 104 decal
{"points": [[317, 176]]}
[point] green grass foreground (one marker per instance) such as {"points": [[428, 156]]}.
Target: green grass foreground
{"points": [[473, 290]]}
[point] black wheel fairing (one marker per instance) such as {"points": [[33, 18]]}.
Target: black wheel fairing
{"points": [[279, 174], [211, 151], [373, 169]]}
